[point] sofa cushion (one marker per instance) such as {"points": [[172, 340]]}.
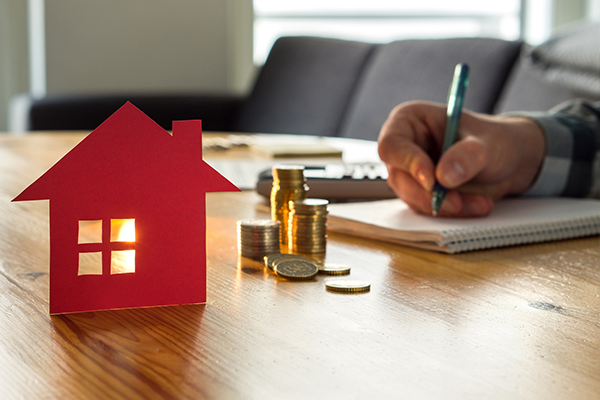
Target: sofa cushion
{"points": [[571, 59], [566, 66], [422, 70], [527, 91], [304, 86]]}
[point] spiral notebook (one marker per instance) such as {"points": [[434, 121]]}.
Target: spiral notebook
{"points": [[513, 221]]}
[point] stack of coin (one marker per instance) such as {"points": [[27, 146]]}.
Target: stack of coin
{"points": [[289, 184], [257, 238], [307, 226]]}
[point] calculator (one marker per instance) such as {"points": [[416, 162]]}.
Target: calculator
{"points": [[339, 182]]}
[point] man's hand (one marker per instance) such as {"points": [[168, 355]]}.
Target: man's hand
{"points": [[493, 156]]}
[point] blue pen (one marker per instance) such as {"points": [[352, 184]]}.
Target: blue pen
{"points": [[456, 99]]}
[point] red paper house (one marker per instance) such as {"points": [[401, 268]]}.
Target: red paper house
{"points": [[127, 216]]}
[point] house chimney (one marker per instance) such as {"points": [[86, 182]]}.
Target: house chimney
{"points": [[188, 133]]}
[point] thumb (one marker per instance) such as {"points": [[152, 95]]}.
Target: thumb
{"points": [[461, 162]]}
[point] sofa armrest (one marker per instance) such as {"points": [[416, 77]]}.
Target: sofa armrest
{"points": [[86, 112]]}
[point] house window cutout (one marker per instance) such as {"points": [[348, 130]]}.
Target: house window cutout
{"points": [[121, 246], [90, 231], [122, 262], [90, 263], [122, 230]]}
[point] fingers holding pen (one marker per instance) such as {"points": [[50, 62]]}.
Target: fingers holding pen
{"points": [[418, 198], [408, 140], [456, 203], [403, 155], [408, 136]]}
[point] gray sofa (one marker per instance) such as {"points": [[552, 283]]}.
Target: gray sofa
{"points": [[330, 87]]}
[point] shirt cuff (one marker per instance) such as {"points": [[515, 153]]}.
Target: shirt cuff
{"points": [[554, 173]]}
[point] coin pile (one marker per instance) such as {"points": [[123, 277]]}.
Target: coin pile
{"points": [[273, 260], [289, 184], [307, 226], [293, 266], [297, 267], [257, 238]]}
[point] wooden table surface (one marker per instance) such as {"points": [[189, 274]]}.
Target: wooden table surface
{"points": [[510, 323]]}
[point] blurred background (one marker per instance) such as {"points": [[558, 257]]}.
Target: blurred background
{"points": [[216, 46]]}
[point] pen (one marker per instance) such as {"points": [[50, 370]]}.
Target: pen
{"points": [[456, 98]]}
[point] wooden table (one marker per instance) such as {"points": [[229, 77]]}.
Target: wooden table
{"points": [[510, 323]]}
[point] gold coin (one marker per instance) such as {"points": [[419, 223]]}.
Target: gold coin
{"points": [[309, 206], [334, 269], [273, 259], [297, 270], [287, 256], [270, 259], [347, 285], [256, 224]]}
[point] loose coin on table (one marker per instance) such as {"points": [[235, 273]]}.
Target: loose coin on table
{"points": [[347, 285], [296, 269], [271, 260], [334, 269]]}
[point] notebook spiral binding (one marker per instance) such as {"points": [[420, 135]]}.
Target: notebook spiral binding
{"points": [[460, 240]]}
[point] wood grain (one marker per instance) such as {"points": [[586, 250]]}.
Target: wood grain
{"points": [[519, 323]]}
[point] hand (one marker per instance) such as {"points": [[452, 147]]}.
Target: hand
{"points": [[493, 156]]}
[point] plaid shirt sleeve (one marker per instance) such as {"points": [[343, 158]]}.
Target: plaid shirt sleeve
{"points": [[571, 166]]}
